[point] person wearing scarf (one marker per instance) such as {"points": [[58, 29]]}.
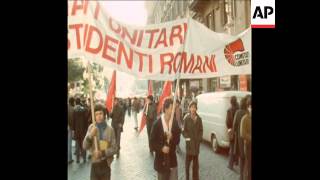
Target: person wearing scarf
{"points": [[164, 137], [102, 155]]}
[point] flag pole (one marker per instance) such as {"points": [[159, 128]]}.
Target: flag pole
{"points": [[178, 82], [91, 102]]}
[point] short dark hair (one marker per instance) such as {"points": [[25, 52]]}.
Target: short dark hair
{"points": [[166, 103], [150, 97], [100, 107], [78, 101], [243, 103], [193, 103], [71, 101], [233, 101]]}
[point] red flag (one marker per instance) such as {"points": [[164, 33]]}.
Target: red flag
{"points": [[111, 92], [144, 117], [143, 122], [166, 92]]}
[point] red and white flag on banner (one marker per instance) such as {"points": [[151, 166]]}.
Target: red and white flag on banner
{"points": [[166, 92], [111, 92], [144, 116]]}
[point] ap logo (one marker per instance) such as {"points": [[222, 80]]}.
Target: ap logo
{"points": [[263, 13]]}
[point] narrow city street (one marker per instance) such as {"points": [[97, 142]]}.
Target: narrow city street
{"points": [[136, 163]]}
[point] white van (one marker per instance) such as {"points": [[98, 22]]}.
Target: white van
{"points": [[212, 108]]}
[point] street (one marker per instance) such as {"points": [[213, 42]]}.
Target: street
{"points": [[136, 163]]}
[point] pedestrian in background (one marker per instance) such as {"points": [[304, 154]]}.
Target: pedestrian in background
{"points": [[245, 133], [117, 122], [80, 126], [229, 122], [70, 125], [129, 107], [135, 111], [192, 132], [238, 151]]}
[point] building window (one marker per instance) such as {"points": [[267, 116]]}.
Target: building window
{"points": [[235, 82], [212, 84], [233, 9], [210, 20], [224, 18], [179, 5], [184, 6], [249, 82], [175, 9]]}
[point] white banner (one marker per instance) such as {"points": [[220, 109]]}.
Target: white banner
{"points": [[158, 51]]}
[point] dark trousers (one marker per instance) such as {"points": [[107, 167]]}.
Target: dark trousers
{"points": [[100, 171], [232, 157], [129, 111], [117, 132], [149, 126], [195, 166], [248, 161], [80, 150], [164, 175], [242, 172]]}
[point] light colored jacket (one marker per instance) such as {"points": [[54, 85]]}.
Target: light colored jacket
{"points": [[109, 136], [245, 128]]}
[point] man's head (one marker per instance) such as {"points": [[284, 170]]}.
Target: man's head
{"points": [[243, 103], [193, 107], [78, 101], [99, 112], [233, 101], [71, 101], [167, 106], [149, 99], [116, 101]]}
